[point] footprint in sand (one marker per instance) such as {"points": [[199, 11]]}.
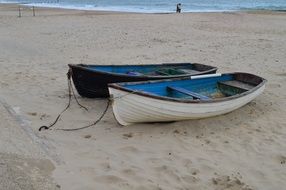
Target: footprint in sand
{"points": [[274, 85], [282, 159], [207, 141], [190, 179], [129, 149], [109, 179], [127, 135], [43, 116], [32, 113], [87, 136], [129, 172], [281, 74], [176, 131], [4, 84], [195, 171], [230, 183], [105, 166], [168, 171]]}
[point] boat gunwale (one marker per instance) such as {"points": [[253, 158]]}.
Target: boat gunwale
{"points": [[149, 95], [82, 67]]}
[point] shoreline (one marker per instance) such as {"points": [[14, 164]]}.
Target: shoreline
{"points": [[71, 8]]}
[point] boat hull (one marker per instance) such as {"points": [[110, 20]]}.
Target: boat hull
{"points": [[131, 108], [94, 84]]}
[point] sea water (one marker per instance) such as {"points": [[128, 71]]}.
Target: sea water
{"points": [[158, 6]]}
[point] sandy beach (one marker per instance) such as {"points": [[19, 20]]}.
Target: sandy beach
{"points": [[245, 149]]}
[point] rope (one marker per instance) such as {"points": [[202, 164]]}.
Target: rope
{"points": [[71, 89], [97, 121], [71, 92], [119, 97], [102, 115]]}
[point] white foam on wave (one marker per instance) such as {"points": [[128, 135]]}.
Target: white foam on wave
{"points": [[101, 8], [195, 6], [119, 8]]}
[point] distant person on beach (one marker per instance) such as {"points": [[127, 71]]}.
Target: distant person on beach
{"points": [[179, 8]]}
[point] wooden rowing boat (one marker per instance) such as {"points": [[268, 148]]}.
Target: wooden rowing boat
{"points": [[185, 98], [91, 80]]}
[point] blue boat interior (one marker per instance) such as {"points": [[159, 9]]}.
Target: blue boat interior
{"points": [[203, 88], [152, 70]]}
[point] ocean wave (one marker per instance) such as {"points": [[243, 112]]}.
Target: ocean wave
{"points": [[155, 6]]}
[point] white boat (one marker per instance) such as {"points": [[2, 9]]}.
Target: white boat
{"points": [[182, 99]]}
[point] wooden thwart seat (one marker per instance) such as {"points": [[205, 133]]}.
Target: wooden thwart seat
{"points": [[188, 92], [237, 84], [189, 71], [169, 71]]}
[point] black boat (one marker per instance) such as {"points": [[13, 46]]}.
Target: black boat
{"points": [[91, 80]]}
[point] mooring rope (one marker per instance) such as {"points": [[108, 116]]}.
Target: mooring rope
{"points": [[94, 123], [71, 93], [69, 74]]}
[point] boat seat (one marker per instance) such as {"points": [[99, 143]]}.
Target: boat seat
{"points": [[237, 84], [188, 92], [189, 71], [169, 71]]}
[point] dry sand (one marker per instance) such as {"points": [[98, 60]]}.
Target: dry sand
{"points": [[245, 149]]}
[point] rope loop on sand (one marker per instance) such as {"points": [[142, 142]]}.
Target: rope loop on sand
{"points": [[94, 123], [71, 93]]}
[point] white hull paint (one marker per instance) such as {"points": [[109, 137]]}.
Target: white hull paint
{"points": [[131, 108]]}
